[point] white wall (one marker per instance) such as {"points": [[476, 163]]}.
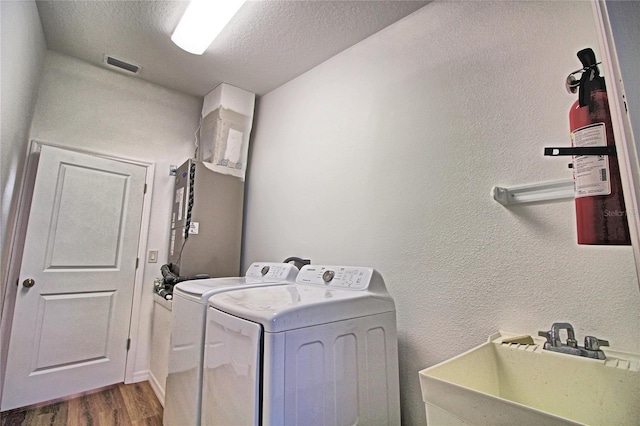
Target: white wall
{"points": [[385, 156], [91, 108], [22, 53]]}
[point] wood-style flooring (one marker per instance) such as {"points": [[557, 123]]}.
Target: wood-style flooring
{"points": [[133, 404]]}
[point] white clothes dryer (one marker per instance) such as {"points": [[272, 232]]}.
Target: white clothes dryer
{"points": [[322, 351], [183, 393]]}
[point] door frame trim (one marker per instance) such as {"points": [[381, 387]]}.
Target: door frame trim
{"points": [[621, 123], [17, 245]]}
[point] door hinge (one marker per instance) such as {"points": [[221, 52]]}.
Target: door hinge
{"points": [[145, 188], [137, 262], [128, 344]]}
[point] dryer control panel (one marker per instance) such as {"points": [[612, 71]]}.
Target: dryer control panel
{"points": [[344, 277], [270, 270]]}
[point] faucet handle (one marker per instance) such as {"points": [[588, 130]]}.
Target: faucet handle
{"points": [[593, 343], [545, 334]]}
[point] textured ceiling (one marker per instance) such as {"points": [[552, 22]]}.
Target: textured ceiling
{"points": [[266, 44]]}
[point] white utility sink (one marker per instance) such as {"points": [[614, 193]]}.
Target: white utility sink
{"points": [[510, 383]]}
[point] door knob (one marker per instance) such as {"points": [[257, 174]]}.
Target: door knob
{"points": [[28, 283]]}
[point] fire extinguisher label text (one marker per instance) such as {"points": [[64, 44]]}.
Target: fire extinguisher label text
{"points": [[614, 213], [591, 172]]}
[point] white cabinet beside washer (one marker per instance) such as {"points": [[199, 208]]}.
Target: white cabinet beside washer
{"points": [[160, 336]]}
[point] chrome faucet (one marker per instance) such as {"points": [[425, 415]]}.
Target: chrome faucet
{"points": [[591, 347]]}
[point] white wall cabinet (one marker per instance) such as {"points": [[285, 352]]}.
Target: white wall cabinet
{"points": [[160, 335]]}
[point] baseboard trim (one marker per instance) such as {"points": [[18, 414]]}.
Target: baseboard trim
{"points": [[138, 376], [157, 388]]}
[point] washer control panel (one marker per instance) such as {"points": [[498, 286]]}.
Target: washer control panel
{"points": [[344, 277], [266, 270]]}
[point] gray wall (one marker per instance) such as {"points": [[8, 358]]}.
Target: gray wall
{"points": [[385, 156], [22, 53]]}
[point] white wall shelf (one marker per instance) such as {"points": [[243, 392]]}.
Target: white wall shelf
{"points": [[538, 192]]}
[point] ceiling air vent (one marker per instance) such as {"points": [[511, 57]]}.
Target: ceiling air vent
{"points": [[121, 65]]}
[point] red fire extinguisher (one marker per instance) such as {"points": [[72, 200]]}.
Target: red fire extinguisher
{"points": [[600, 211]]}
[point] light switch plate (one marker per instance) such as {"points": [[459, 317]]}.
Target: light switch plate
{"points": [[153, 256]]}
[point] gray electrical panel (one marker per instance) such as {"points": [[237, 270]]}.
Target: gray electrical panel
{"points": [[206, 222]]}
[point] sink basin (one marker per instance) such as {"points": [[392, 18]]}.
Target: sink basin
{"points": [[510, 383]]}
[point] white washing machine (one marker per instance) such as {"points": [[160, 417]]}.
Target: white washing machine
{"points": [[183, 393], [322, 351]]}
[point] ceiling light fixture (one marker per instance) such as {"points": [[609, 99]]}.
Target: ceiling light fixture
{"points": [[202, 22]]}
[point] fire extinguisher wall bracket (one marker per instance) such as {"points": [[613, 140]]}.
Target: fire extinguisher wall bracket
{"points": [[585, 150]]}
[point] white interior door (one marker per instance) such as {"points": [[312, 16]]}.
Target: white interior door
{"points": [[72, 314]]}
